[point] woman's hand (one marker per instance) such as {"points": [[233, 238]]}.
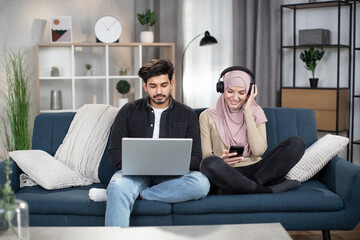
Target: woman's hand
{"points": [[230, 161], [250, 100]]}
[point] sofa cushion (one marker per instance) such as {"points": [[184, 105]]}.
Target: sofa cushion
{"points": [[317, 156], [310, 196], [76, 201], [50, 130], [46, 171], [286, 122]]}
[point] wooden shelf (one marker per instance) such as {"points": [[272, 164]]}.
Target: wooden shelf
{"points": [[133, 44], [77, 88]]}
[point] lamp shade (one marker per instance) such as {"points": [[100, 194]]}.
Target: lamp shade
{"points": [[208, 39]]}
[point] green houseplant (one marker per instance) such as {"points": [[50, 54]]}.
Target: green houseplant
{"points": [[13, 212], [147, 19], [311, 58], [15, 121], [88, 67], [55, 71], [123, 87]]}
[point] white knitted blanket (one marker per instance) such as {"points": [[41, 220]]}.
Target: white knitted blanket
{"points": [[85, 141]]}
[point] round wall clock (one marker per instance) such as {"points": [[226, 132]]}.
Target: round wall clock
{"points": [[107, 29]]}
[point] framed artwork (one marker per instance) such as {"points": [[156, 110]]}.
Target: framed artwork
{"points": [[60, 29]]}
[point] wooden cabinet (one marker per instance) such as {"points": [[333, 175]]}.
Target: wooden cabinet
{"points": [[331, 106], [79, 88]]}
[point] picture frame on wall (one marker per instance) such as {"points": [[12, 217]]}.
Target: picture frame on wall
{"points": [[60, 29]]}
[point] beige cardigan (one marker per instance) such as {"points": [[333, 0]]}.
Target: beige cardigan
{"points": [[211, 142]]}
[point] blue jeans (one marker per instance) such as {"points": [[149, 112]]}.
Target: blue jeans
{"points": [[124, 190]]}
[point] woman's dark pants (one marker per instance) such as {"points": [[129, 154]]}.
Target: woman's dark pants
{"points": [[255, 178]]}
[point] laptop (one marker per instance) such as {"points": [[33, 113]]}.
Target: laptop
{"points": [[156, 156]]}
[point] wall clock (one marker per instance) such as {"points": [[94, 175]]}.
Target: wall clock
{"points": [[107, 29]]}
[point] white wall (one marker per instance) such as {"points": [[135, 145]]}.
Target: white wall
{"points": [[19, 32]]}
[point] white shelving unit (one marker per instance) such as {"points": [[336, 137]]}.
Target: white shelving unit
{"points": [[78, 89]]}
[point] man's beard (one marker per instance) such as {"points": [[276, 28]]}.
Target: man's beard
{"points": [[153, 99]]}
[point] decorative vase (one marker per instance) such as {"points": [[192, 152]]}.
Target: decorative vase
{"points": [[122, 102], [313, 82], [55, 100], [55, 72], [14, 221], [147, 37]]}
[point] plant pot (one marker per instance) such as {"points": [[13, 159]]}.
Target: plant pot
{"points": [[147, 37], [88, 72], [122, 102], [55, 73], [14, 219], [313, 82]]}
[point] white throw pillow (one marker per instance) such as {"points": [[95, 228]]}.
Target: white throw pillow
{"points": [[85, 142], [46, 171], [317, 156]]}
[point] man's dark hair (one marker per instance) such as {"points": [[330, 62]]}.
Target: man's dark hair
{"points": [[156, 67]]}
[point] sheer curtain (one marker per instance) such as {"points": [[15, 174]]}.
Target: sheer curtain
{"points": [[257, 45], [203, 65], [248, 34]]}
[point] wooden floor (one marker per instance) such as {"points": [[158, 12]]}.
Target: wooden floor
{"points": [[335, 235]]}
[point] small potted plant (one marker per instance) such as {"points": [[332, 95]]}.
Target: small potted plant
{"points": [[88, 67], [14, 213], [55, 71], [147, 19], [122, 71], [123, 87], [311, 58]]}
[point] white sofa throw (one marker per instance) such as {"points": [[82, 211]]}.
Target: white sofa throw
{"points": [[85, 141]]}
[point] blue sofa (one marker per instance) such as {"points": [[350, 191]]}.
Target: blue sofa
{"points": [[329, 201]]}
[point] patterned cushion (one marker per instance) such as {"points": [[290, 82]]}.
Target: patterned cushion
{"points": [[317, 156], [46, 171]]}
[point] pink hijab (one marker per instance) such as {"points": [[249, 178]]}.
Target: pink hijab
{"points": [[231, 124]]}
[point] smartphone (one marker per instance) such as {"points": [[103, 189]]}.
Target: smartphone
{"points": [[238, 149]]}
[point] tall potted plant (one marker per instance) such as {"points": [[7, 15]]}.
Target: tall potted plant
{"points": [[16, 120], [123, 87], [14, 212], [311, 58], [147, 19]]}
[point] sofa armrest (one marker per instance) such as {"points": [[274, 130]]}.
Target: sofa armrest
{"points": [[14, 177], [343, 178]]}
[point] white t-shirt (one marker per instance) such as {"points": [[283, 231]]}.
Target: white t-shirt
{"points": [[157, 113]]}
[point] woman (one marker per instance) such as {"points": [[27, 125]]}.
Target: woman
{"points": [[237, 120]]}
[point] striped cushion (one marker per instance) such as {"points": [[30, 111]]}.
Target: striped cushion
{"points": [[317, 156]]}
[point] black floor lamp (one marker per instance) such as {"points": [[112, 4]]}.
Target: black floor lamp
{"points": [[206, 40]]}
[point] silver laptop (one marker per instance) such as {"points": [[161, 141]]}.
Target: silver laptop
{"points": [[156, 156]]}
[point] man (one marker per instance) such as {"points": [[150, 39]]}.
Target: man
{"points": [[156, 116]]}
